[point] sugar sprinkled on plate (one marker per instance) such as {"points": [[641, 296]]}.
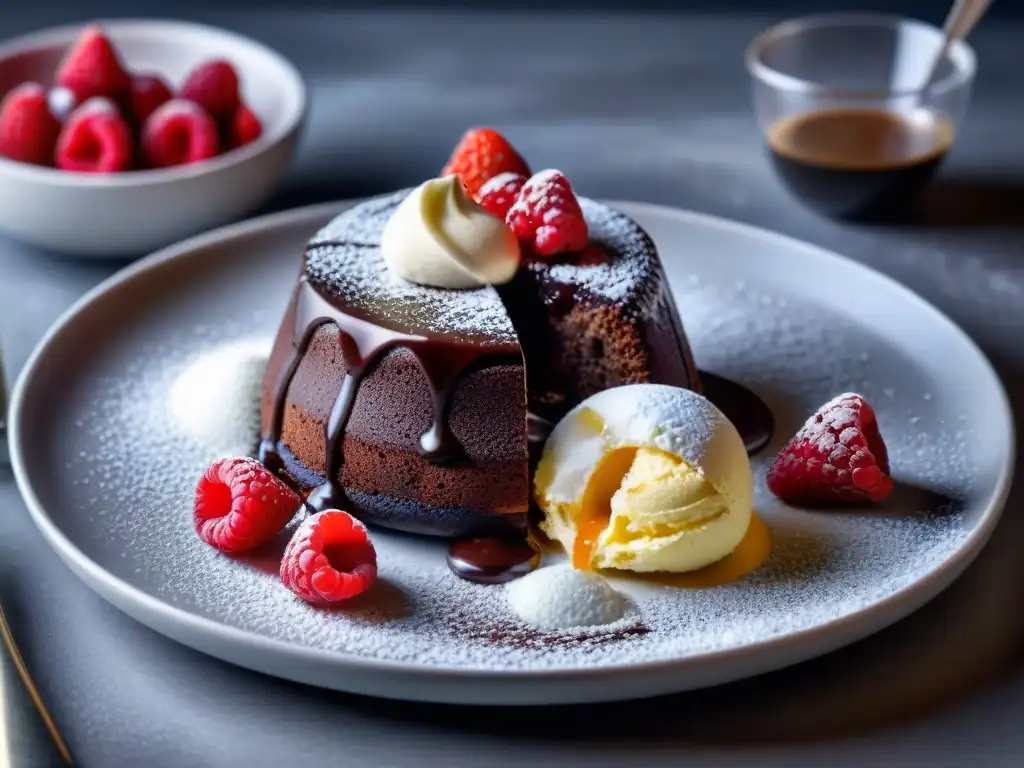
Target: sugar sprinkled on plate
{"points": [[216, 399], [136, 477]]}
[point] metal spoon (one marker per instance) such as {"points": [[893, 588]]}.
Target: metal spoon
{"points": [[961, 20]]}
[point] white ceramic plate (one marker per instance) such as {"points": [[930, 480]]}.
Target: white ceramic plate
{"points": [[108, 472]]}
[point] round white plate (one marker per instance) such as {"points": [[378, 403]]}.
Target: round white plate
{"points": [[107, 469]]}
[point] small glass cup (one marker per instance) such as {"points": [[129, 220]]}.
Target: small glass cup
{"points": [[839, 99]]}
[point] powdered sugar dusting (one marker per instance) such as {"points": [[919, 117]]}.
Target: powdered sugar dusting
{"points": [[216, 399], [134, 473], [506, 183], [344, 260], [633, 273], [675, 420]]}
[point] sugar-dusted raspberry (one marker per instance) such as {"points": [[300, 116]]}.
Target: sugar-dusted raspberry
{"points": [[93, 68], [213, 85], [547, 217], [498, 194], [148, 92], [28, 131], [482, 154], [179, 132], [95, 139], [240, 504], [330, 558], [838, 455]]}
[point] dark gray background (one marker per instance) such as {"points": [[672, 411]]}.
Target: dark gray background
{"points": [[927, 9], [648, 106]]}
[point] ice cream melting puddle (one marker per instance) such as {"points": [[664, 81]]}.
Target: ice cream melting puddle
{"points": [[749, 555]]}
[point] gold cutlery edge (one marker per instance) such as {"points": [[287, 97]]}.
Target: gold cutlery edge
{"points": [[33, 692]]}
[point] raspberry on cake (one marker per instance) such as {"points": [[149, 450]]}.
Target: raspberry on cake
{"points": [[240, 504], [497, 195], [838, 455], [482, 154], [547, 217], [329, 559]]}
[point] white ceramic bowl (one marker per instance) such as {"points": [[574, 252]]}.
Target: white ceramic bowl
{"points": [[127, 214]]}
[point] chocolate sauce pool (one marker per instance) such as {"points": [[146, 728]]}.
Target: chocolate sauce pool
{"points": [[488, 560], [750, 415]]}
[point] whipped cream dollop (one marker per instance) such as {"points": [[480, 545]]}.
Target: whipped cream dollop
{"points": [[440, 237], [561, 597]]}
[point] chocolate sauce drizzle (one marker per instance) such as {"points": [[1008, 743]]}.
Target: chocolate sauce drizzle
{"points": [[362, 344]]}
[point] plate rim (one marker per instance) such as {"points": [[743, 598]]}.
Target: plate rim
{"points": [[152, 611]]}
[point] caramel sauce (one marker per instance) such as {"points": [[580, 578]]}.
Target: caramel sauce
{"points": [[596, 509]]}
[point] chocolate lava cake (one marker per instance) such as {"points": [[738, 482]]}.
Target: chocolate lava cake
{"points": [[414, 407]]}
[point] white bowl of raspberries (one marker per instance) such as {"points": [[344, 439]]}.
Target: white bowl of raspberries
{"points": [[121, 137]]}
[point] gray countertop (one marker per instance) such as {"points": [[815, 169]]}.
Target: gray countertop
{"points": [[650, 108]]}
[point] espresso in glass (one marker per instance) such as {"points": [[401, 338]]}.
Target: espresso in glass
{"points": [[854, 162]]}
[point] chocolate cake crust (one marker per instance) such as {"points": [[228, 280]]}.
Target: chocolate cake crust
{"points": [[409, 405]]}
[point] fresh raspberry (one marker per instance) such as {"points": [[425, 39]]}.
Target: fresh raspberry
{"points": [[28, 131], [62, 102], [214, 87], [147, 93], [245, 127], [179, 132], [330, 558], [95, 139], [93, 68], [482, 154], [240, 504], [547, 217], [498, 194], [838, 455]]}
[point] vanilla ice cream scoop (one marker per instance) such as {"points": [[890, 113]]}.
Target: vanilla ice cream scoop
{"points": [[440, 237], [645, 478]]}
